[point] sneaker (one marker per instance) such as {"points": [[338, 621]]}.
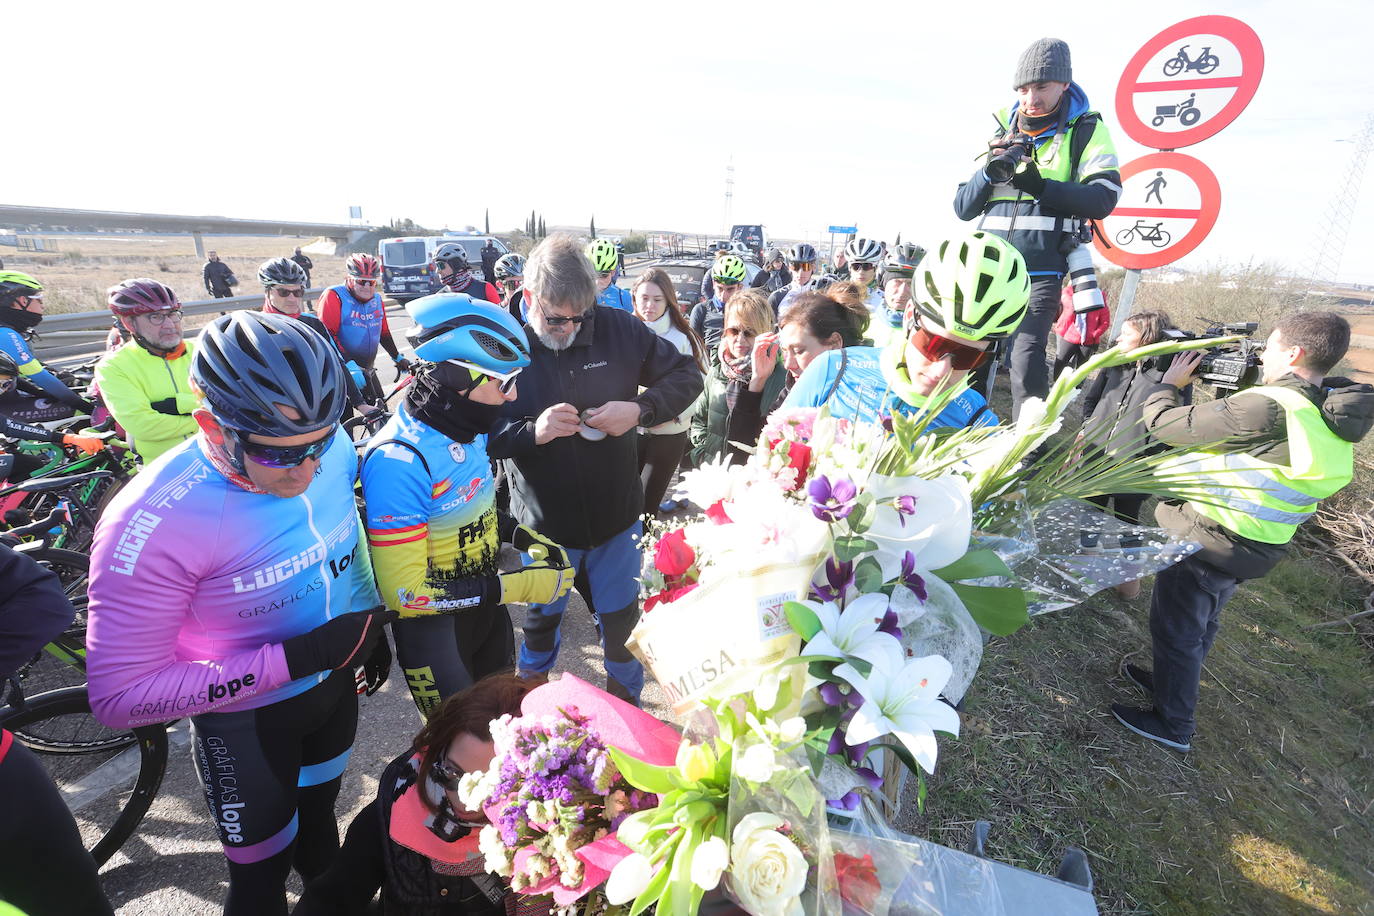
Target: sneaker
{"points": [[669, 505], [1143, 678], [1147, 724]]}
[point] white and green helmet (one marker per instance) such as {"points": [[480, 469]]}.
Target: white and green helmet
{"points": [[975, 287]]}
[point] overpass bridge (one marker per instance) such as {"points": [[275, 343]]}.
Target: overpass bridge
{"points": [[40, 219]]}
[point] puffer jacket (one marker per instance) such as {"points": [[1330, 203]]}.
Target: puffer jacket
{"points": [[1258, 425], [711, 416], [1112, 402]]}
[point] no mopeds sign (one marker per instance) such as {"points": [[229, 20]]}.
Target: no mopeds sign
{"points": [[1189, 81], [1169, 202]]}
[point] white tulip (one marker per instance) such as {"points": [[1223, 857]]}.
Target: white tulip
{"points": [[709, 861], [628, 879], [757, 764]]}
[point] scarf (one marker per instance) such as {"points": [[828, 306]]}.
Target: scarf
{"points": [[738, 372], [458, 281], [439, 834], [433, 399], [21, 320], [220, 462]]}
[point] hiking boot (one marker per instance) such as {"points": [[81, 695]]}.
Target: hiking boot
{"points": [[1143, 678], [1147, 724]]}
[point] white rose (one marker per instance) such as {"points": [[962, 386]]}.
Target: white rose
{"points": [[708, 861], [757, 764], [767, 871], [628, 879]]}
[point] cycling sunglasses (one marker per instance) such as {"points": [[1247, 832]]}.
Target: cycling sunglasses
{"points": [[279, 456], [504, 381], [8, 384], [862, 265], [291, 293], [935, 348], [359, 281], [803, 265]]}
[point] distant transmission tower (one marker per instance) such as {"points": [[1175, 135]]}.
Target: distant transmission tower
{"points": [[1335, 226], [729, 194]]}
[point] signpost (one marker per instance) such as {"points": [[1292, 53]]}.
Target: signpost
{"points": [[1184, 85], [1189, 81], [1169, 202], [840, 230]]}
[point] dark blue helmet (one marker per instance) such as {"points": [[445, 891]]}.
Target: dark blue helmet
{"points": [[251, 364]]}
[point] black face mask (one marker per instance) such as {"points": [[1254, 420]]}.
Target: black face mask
{"points": [[437, 398], [20, 319]]}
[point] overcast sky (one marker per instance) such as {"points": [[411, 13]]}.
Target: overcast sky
{"points": [[850, 113]]}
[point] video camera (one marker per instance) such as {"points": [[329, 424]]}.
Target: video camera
{"points": [[1232, 367], [1008, 155]]}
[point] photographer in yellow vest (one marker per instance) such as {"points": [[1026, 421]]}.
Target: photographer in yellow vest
{"points": [[1267, 455]]}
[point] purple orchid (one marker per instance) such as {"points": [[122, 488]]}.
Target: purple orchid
{"points": [[889, 622], [832, 502], [905, 505], [839, 577], [912, 579]]}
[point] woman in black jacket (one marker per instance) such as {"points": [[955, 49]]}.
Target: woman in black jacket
{"points": [[1112, 402], [415, 842]]}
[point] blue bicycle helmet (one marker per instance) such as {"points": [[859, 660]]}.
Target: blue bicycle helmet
{"points": [[249, 364], [455, 326]]}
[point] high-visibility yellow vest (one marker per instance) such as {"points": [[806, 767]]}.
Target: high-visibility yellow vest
{"points": [[1260, 500]]}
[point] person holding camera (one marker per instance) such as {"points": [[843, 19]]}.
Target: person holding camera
{"points": [[1265, 457], [1112, 401], [1051, 167]]}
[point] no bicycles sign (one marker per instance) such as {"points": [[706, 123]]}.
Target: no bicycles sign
{"points": [[1169, 202], [1189, 81]]}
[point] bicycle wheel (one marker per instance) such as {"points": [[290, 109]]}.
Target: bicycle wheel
{"points": [[108, 791], [1162, 239], [1173, 67], [1125, 237]]}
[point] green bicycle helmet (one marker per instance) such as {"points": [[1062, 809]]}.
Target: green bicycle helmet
{"points": [[728, 269], [975, 287], [603, 256], [14, 284]]}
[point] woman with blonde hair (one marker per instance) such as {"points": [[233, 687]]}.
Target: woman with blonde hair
{"points": [[661, 447], [748, 317]]}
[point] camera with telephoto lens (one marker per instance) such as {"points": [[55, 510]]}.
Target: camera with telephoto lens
{"points": [[1232, 367], [1009, 153]]}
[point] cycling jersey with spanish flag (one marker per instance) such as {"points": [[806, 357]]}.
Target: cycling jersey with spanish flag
{"points": [[431, 517]]}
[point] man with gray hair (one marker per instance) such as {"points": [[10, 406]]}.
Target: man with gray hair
{"points": [[596, 375]]}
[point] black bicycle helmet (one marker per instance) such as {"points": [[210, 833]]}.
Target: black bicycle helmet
{"points": [[281, 272], [250, 364], [802, 253]]}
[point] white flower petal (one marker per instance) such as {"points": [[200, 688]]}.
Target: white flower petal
{"points": [[922, 679], [759, 820], [628, 879], [921, 742], [868, 723], [709, 861]]}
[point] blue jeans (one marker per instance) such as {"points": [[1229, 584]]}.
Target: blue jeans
{"points": [[608, 580], [1185, 610]]}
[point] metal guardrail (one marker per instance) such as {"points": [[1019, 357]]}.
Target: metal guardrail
{"points": [[76, 333]]}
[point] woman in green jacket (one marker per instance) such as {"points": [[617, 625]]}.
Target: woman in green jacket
{"points": [[747, 317]]}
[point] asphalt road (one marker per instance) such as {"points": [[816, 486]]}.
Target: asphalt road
{"points": [[173, 864]]}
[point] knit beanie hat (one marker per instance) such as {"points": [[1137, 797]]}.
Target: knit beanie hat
{"points": [[1046, 60]]}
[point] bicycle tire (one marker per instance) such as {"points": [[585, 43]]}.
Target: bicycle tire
{"points": [[1164, 239], [49, 670], [151, 740], [1173, 67], [1125, 237]]}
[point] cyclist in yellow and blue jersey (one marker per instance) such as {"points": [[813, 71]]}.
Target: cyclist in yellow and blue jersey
{"points": [[432, 521]]}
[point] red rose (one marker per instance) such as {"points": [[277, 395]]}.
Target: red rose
{"points": [[667, 596], [858, 879], [799, 459], [672, 555]]}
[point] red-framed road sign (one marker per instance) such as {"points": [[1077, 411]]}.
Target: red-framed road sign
{"points": [[1169, 202], [1189, 81]]}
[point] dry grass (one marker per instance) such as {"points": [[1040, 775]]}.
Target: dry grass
{"points": [[75, 277]]}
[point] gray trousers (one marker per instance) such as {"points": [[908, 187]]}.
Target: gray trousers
{"points": [[1185, 611], [1025, 355]]}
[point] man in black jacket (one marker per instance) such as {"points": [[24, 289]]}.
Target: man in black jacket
{"points": [[219, 279], [306, 264], [570, 450], [490, 255]]}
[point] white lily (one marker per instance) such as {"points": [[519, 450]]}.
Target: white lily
{"points": [[853, 632], [903, 701], [708, 483], [936, 532]]}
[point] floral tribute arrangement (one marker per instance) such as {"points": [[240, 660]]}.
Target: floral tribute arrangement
{"points": [[813, 629]]}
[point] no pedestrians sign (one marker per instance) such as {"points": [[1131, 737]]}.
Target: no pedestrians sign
{"points": [[1169, 202], [1189, 81]]}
